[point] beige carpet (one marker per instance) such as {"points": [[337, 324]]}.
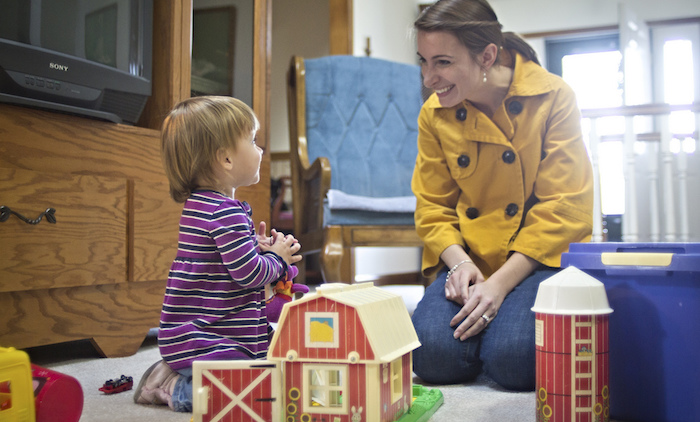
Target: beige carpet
{"points": [[481, 401]]}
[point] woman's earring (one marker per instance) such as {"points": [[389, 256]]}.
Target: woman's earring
{"points": [[484, 77]]}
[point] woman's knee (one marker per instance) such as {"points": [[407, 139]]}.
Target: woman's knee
{"points": [[441, 359], [512, 368], [436, 364]]}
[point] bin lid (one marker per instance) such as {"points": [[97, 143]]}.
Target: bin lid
{"points": [[571, 292]]}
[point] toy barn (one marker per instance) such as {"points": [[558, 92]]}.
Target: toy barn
{"points": [[344, 355], [346, 351]]}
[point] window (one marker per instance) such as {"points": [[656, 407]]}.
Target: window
{"points": [[592, 66], [678, 75], [325, 385], [596, 78], [321, 330], [396, 379]]}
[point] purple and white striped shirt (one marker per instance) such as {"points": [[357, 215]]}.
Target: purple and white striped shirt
{"points": [[214, 305]]}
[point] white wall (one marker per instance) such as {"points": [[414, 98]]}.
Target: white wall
{"points": [[387, 23], [298, 28], [554, 15]]}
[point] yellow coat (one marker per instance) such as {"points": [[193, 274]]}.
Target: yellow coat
{"points": [[521, 181]]}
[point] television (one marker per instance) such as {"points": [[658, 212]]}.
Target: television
{"points": [[86, 57]]}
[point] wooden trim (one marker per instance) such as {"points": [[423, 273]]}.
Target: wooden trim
{"points": [[606, 28], [261, 63], [647, 137], [172, 21], [575, 31], [280, 155], [183, 86], [641, 109], [341, 27], [679, 21], [400, 279], [258, 195]]}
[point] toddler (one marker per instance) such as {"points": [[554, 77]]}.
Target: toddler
{"points": [[214, 304]]}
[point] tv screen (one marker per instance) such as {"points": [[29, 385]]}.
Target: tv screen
{"points": [[86, 57]]}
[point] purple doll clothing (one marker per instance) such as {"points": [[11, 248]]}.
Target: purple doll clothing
{"points": [[214, 305]]}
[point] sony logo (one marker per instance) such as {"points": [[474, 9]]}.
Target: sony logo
{"points": [[57, 66]]}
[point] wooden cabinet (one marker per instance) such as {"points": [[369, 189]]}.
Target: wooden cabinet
{"points": [[99, 272]]}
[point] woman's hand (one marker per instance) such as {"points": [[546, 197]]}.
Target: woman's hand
{"points": [[457, 285], [479, 308], [482, 299]]}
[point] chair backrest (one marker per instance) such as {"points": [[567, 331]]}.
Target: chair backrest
{"points": [[362, 114]]}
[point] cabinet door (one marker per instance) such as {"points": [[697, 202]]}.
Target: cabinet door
{"points": [[86, 245]]}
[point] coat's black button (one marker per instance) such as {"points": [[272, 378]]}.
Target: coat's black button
{"points": [[463, 161], [512, 209], [508, 157], [515, 107], [462, 114], [472, 213]]}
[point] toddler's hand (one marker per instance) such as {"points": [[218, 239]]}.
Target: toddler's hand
{"points": [[274, 232], [285, 246], [263, 240]]}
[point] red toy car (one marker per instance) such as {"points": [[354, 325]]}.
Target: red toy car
{"points": [[118, 385]]}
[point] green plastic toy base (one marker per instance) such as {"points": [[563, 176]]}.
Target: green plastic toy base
{"points": [[426, 402]]}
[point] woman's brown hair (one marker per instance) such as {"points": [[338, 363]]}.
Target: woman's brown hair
{"points": [[475, 25]]}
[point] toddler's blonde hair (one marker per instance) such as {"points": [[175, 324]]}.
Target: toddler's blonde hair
{"points": [[192, 134]]}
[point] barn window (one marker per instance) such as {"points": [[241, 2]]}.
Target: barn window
{"points": [[324, 388], [396, 380], [321, 330]]}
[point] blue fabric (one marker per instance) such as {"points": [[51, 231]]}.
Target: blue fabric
{"points": [[505, 350], [362, 114], [355, 217], [182, 393]]}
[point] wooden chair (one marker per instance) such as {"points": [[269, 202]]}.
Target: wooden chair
{"points": [[280, 217], [353, 130]]}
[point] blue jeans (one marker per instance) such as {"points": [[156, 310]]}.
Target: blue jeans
{"points": [[182, 393], [505, 350]]}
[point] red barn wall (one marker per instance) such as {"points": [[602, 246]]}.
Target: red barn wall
{"points": [[352, 335], [392, 411]]}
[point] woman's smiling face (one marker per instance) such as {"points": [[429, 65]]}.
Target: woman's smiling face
{"points": [[448, 67]]}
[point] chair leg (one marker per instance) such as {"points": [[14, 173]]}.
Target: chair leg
{"points": [[334, 259], [301, 277], [347, 267]]}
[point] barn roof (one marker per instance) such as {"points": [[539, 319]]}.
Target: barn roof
{"points": [[383, 314]]}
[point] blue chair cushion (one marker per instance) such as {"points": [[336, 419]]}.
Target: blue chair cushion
{"points": [[362, 114], [357, 217]]}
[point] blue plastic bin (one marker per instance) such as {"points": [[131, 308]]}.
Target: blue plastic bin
{"points": [[654, 290]]}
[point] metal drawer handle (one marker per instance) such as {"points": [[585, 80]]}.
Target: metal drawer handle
{"points": [[5, 213]]}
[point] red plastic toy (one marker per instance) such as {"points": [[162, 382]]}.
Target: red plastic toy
{"points": [[123, 383]]}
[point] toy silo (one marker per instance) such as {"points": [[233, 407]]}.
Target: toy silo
{"points": [[571, 341]]}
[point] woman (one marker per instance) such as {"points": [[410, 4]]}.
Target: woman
{"points": [[503, 186]]}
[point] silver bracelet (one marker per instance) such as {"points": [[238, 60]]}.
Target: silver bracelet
{"points": [[449, 273]]}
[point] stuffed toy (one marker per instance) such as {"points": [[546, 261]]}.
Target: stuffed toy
{"points": [[282, 293]]}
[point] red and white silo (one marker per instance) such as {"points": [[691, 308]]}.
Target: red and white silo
{"points": [[571, 342]]}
